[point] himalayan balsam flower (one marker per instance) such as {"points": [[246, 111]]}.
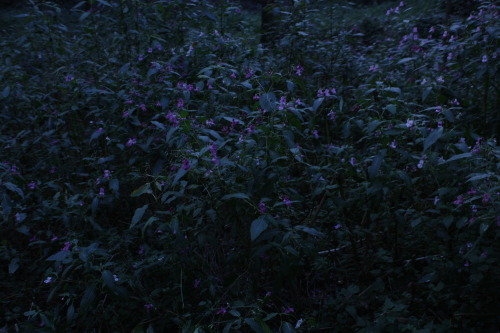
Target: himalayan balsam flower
{"points": [[107, 173], [459, 200], [484, 58], [32, 185], [287, 201], [196, 283], [101, 192], [315, 134], [131, 142], [48, 280], [67, 246], [298, 70], [148, 306], [221, 311], [409, 123], [185, 164], [115, 277], [180, 103], [289, 310], [486, 198], [262, 208], [352, 161], [420, 164]]}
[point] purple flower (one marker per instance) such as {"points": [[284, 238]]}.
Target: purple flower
{"points": [[484, 58], [67, 246], [196, 283], [486, 198], [32, 185], [262, 208], [352, 161], [185, 164], [289, 310], [131, 142], [287, 201], [180, 103], [148, 306], [298, 70], [459, 200], [221, 311], [107, 173], [101, 192]]}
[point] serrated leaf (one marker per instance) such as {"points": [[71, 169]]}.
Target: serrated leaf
{"points": [[287, 327], [14, 188], [146, 188], [139, 212], [310, 231], [108, 279], [432, 138], [404, 60], [235, 196], [317, 103], [457, 157], [267, 101], [59, 256], [114, 185], [180, 173], [13, 265], [158, 124], [375, 166], [257, 227], [6, 92]]}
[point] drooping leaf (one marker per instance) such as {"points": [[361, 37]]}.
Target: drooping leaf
{"points": [[432, 138], [139, 212], [146, 188], [257, 227], [235, 196]]}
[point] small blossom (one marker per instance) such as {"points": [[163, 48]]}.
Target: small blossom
{"points": [[287, 201], [115, 277], [484, 58], [185, 164], [289, 310], [409, 123], [131, 142], [180, 103], [221, 311], [148, 306], [420, 164], [262, 208], [486, 198], [298, 70], [196, 283], [440, 79], [48, 280], [315, 134], [352, 161], [67, 246], [32, 185], [459, 200], [107, 173], [101, 192], [436, 200], [393, 144]]}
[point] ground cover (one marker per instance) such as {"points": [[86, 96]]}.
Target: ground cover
{"points": [[162, 171]]}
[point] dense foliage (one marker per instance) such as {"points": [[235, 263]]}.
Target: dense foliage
{"points": [[162, 171]]}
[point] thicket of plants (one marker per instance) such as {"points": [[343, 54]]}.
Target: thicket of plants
{"points": [[162, 171]]}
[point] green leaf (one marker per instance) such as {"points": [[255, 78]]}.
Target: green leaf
{"points": [[393, 89], [105, 3], [180, 173], [14, 265], [114, 185], [84, 16], [257, 227], [158, 124], [268, 101], [317, 103], [146, 188], [14, 188], [235, 196], [139, 212], [108, 279], [254, 325], [404, 60], [457, 157], [478, 176], [432, 138], [287, 328], [6, 92], [376, 163], [310, 231], [426, 93], [59, 256]]}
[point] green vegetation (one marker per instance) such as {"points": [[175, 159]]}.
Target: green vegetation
{"points": [[163, 171]]}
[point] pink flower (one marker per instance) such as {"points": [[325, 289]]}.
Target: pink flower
{"points": [[262, 208], [131, 142], [287, 201], [221, 311], [486, 198], [101, 192], [185, 164], [67, 246], [459, 200]]}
